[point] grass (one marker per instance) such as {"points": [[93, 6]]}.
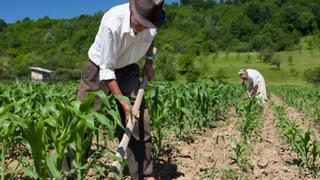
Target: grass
{"points": [[231, 63]]}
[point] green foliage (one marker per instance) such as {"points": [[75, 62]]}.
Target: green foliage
{"points": [[302, 142], [46, 121], [198, 3], [3, 25], [241, 149], [306, 99], [185, 63], [269, 56], [312, 75], [66, 74], [248, 111], [221, 75], [166, 67], [193, 28]]}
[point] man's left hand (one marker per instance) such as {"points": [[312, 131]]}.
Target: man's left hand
{"points": [[249, 94], [148, 69]]}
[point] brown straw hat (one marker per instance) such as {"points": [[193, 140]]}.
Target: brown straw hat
{"points": [[149, 13]]}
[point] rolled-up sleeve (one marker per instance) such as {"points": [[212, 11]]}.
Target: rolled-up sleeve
{"points": [[108, 55]]}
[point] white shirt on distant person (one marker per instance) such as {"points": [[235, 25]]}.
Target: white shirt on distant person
{"points": [[255, 78]]}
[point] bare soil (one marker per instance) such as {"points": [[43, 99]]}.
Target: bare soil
{"points": [[271, 157], [212, 150], [302, 120]]}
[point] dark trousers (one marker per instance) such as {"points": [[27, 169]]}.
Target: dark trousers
{"points": [[139, 149]]}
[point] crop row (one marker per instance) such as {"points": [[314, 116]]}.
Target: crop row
{"points": [[40, 123]]}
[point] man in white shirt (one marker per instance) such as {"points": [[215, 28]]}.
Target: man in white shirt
{"points": [[257, 85], [125, 35]]}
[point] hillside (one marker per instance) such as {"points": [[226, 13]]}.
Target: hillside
{"points": [[291, 71], [195, 29]]}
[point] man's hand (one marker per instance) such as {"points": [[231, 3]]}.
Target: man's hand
{"points": [[114, 88], [242, 81], [126, 110], [249, 94], [148, 69]]}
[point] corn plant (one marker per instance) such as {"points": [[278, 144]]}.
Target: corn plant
{"points": [[227, 174], [305, 99], [250, 118], [49, 122], [241, 149], [301, 142], [6, 130], [158, 110]]}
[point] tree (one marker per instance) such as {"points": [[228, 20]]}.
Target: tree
{"points": [[308, 22], [259, 13], [198, 3], [3, 25], [291, 17], [242, 28], [316, 11]]}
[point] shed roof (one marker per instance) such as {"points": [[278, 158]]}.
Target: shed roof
{"points": [[40, 69]]}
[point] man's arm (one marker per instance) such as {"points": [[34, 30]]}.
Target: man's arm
{"points": [[114, 88], [252, 91]]}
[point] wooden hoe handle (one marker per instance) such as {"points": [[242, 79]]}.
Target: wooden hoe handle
{"points": [[116, 166]]}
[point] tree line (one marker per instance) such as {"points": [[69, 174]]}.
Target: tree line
{"points": [[192, 28]]}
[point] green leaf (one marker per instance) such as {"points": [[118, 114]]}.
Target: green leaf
{"points": [[52, 164], [52, 122], [90, 122], [125, 99], [103, 120], [185, 111]]}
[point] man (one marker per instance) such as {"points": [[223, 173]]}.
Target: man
{"points": [[125, 35], [257, 86]]}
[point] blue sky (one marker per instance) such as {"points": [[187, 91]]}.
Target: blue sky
{"points": [[13, 10]]}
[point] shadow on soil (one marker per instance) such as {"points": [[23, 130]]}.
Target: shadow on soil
{"points": [[164, 168], [166, 171]]}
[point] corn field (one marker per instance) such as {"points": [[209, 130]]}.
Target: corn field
{"points": [[40, 123]]}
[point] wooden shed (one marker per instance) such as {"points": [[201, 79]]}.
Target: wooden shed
{"points": [[40, 74]]}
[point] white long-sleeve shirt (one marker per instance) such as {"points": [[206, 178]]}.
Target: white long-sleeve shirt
{"points": [[116, 45], [255, 78]]}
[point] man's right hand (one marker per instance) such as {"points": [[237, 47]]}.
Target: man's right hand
{"points": [[114, 88], [127, 112]]}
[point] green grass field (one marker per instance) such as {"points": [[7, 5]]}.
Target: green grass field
{"points": [[231, 63]]}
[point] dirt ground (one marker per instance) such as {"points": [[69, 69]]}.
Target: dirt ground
{"points": [[212, 151]]}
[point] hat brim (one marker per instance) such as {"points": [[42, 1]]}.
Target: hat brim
{"points": [[145, 21]]}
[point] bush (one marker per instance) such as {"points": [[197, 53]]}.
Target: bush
{"points": [[312, 75], [221, 75], [269, 56], [192, 76], [242, 47], [64, 74], [165, 67]]}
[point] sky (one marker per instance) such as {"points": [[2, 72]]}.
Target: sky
{"points": [[14, 10]]}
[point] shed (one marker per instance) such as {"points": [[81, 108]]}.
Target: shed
{"points": [[39, 74]]}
